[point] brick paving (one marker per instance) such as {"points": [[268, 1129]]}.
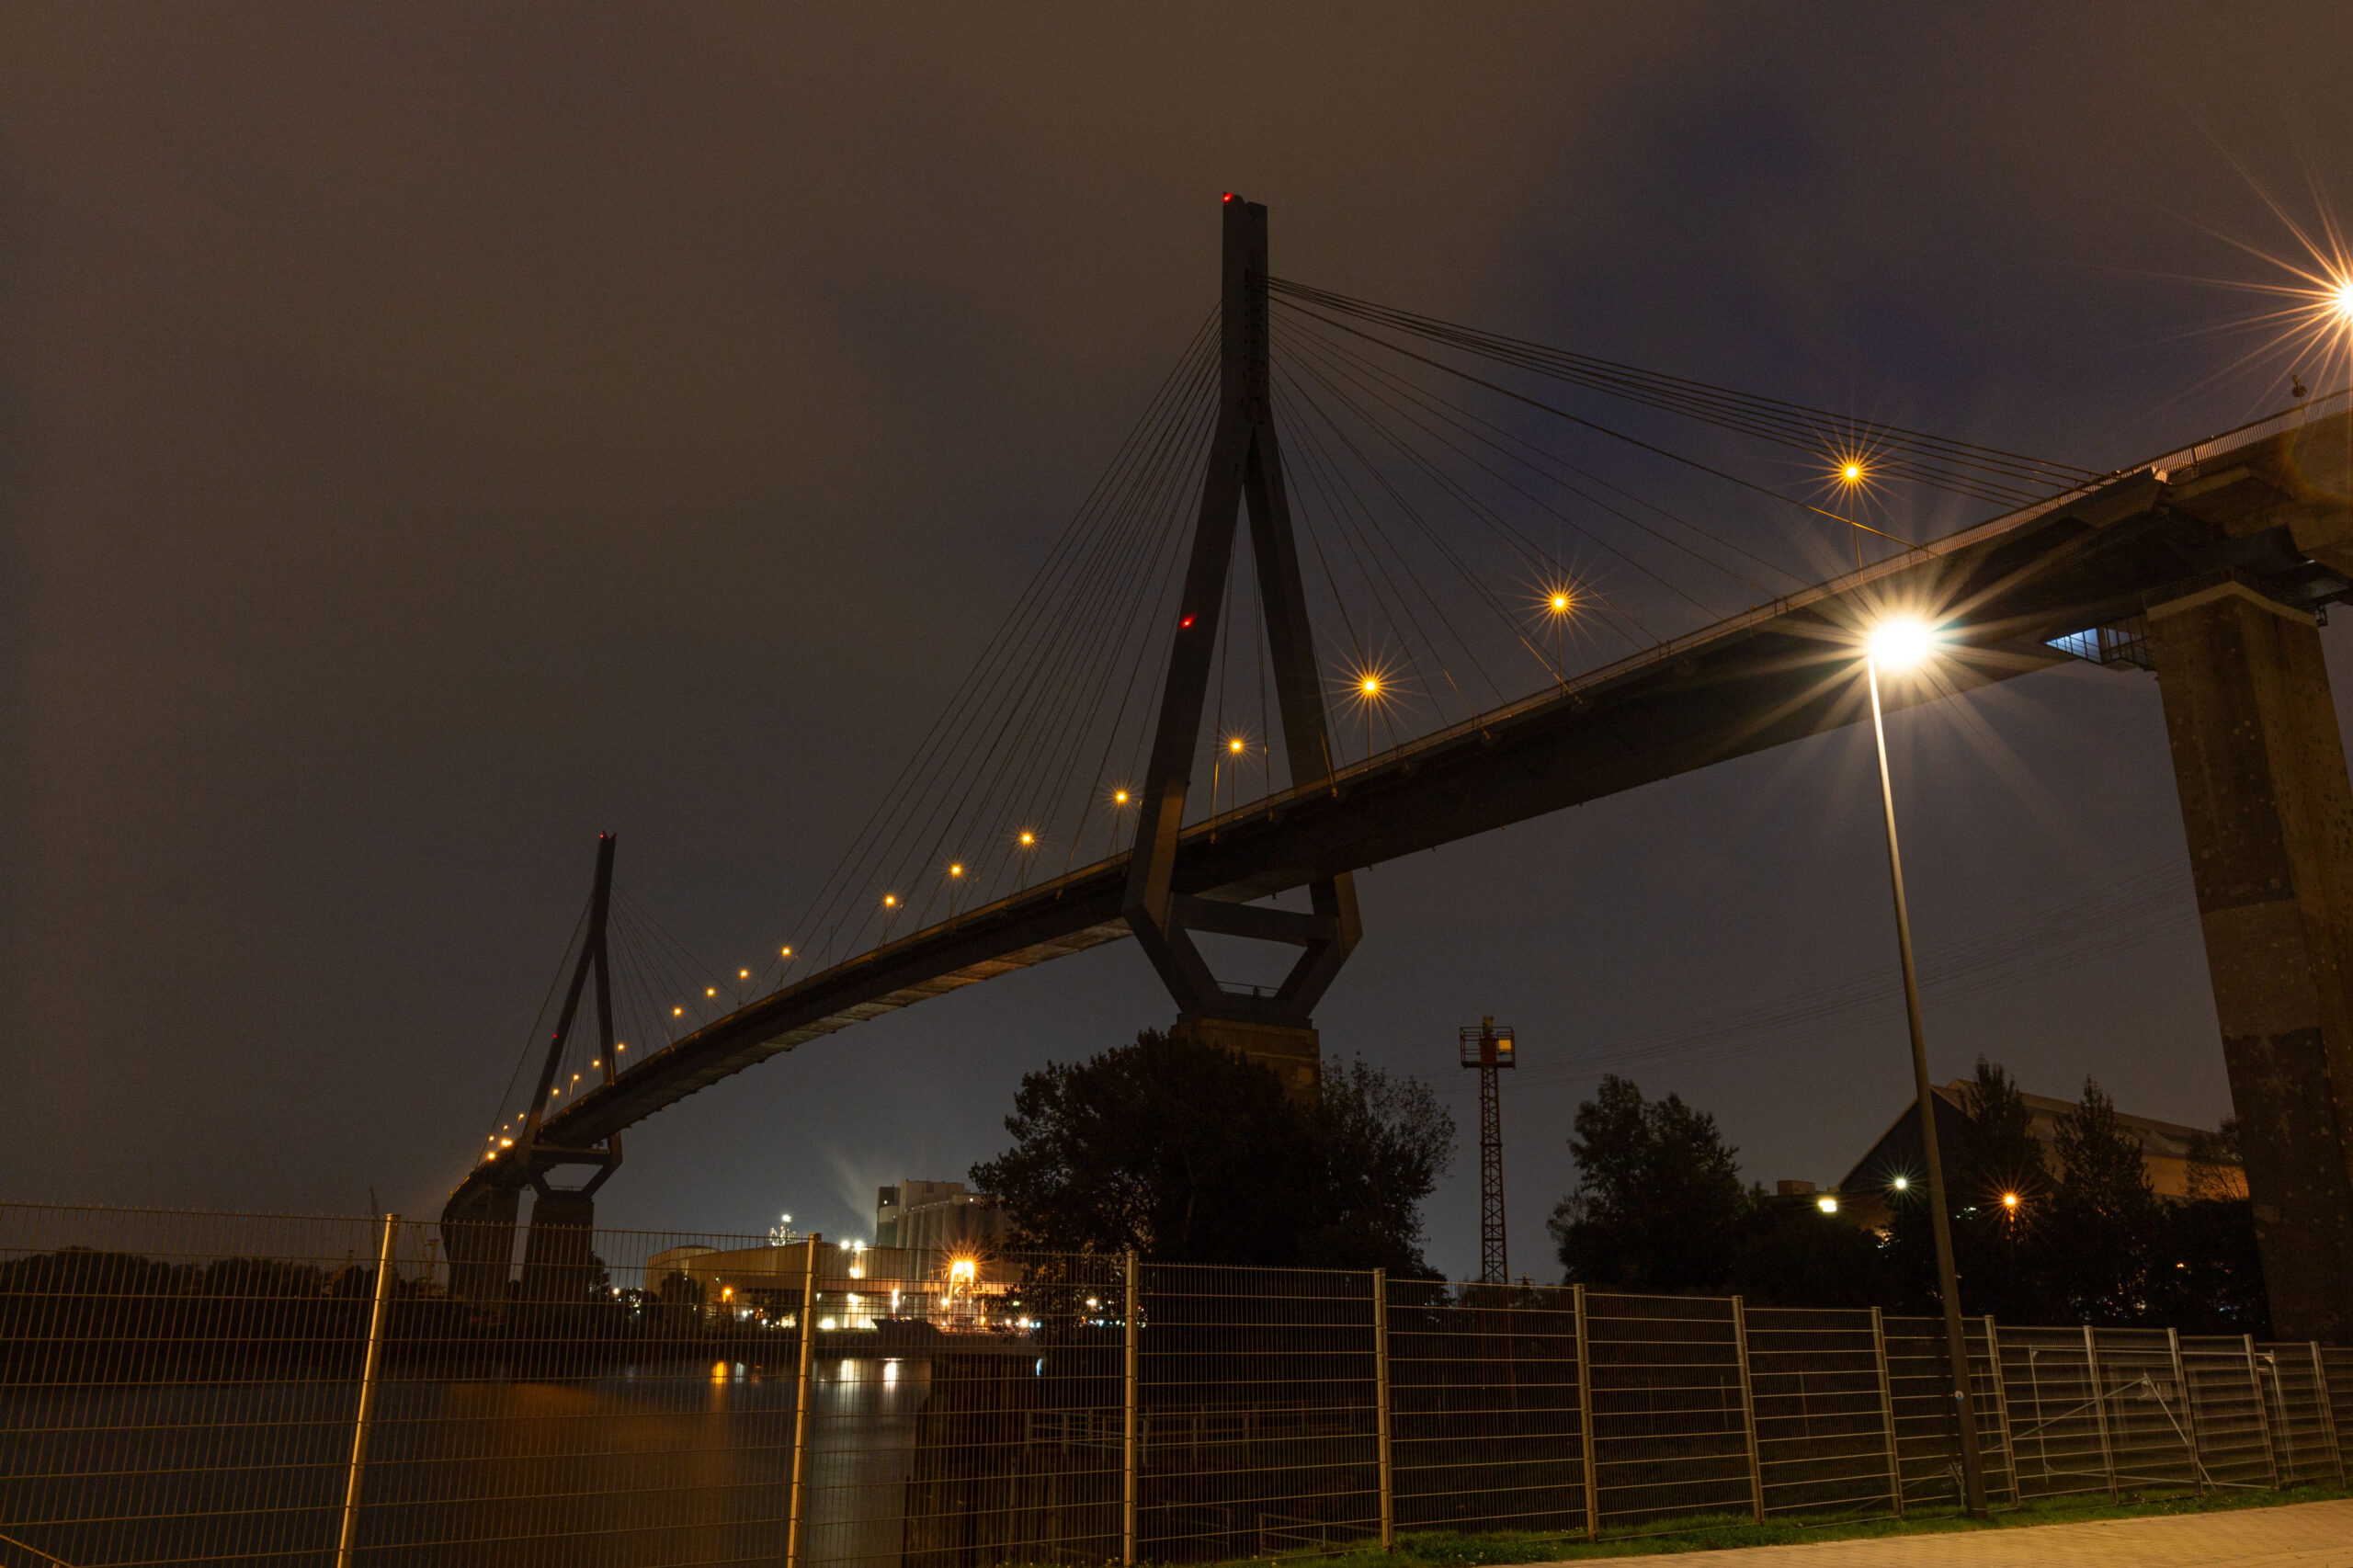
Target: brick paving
{"points": [[2298, 1535]]}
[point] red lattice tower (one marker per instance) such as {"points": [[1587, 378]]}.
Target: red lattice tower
{"points": [[1488, 1049]]}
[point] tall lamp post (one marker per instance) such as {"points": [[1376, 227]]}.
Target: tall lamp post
{"points": [[1901, 644]]}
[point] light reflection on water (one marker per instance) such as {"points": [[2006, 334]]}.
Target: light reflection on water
{"points": [[642, 1465]]}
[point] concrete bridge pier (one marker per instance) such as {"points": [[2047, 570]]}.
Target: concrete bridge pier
{"points": [[557, 1260], [478, 1235], [1292, 1053], [2261, 769]]}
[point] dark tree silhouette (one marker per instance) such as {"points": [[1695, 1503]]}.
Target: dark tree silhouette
{"points": [[2000, 1188], [1659, 1205], [2099, 1238], [1382, 1145], [1190, 1154]]}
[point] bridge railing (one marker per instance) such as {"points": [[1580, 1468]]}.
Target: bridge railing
{"points": [[181, 1386]]}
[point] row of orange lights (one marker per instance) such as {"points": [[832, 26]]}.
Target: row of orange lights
{"points": [[1896, 642]]}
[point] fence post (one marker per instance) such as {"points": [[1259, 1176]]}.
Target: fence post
{"points": [[2099, 1407], [2262, 1410], [2327, 1412], [1748, 1409], [802, 1385], [1887, 1411], [1584, 1417], [2002, 1406], [1380, 1403], [347, 1540], [1128, 1426], [2188, 1410]]}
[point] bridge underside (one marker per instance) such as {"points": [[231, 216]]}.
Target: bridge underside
{"points": [[2263, 519]]}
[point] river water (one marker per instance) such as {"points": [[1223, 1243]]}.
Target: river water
{"points": [[641, 1466]]}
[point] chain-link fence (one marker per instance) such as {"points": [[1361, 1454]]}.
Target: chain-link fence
{"points": [[183, 1388]]}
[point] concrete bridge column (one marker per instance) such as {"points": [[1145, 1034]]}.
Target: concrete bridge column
{"points": [[478, 1234], [1293, 1054], [557, 1261], [2268, 811]]}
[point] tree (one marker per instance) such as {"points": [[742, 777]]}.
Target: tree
{"points": [[1999, 1188], [2001, 1156], [1796, 1255], [1382, 1146], [1658, 1204], [2217, 1163], [1190, 1155], [2101, 1233], [2208, 1276]]}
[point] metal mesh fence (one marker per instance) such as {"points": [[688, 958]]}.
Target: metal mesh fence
{"points": [[181, 1387], [1487, 1429]]}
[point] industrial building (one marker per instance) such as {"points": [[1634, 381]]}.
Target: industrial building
{"points": [[858, 1287], [2170, 1150], [936, 1216]]}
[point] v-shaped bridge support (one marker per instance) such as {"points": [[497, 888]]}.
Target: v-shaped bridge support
{"points": [[1246, 466], [478, 1223]]}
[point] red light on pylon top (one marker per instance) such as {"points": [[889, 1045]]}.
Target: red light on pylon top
{"points": [[1228, 197], [1183, 624]]}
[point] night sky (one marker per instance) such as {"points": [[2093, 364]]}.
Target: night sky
{"points": [[429, 438]]}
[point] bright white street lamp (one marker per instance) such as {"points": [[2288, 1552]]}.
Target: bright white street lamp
{"points": [[1901, 642], [1898, 644]]}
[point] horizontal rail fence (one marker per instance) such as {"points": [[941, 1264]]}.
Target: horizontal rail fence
{"points": [[1485, 1421], [1257, 1413], [1670, 1425], [1821, 1412], [1927, 1426], [185, 1388], [1010, 1420]]}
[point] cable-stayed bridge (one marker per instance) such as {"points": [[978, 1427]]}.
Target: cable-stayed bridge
{"points": [[1465, 605]]}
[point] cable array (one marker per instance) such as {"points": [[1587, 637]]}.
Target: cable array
{"points": [[1894, 452], [1468, 532]]}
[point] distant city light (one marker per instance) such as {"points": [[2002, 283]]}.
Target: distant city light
{"points": [[1826, 1203], [1028, 839], [2010, 1200], [956, 868], [889, 901], [1901, 1183], [742, 974]]}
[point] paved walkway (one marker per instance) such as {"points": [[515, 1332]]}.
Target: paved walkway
{"points": [[2300, 1535]]}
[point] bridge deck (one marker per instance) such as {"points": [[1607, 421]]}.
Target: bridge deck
{"points": [[2266, 505]]}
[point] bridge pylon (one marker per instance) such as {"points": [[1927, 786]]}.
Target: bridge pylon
{"points": [[2268, 809], [1245, 469], [478, 1223]]}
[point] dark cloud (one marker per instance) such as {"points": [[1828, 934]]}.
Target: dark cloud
{"points": [[429, 438]]}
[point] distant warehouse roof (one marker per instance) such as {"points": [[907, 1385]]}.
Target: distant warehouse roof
{"points": [[2169, 1149]]}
